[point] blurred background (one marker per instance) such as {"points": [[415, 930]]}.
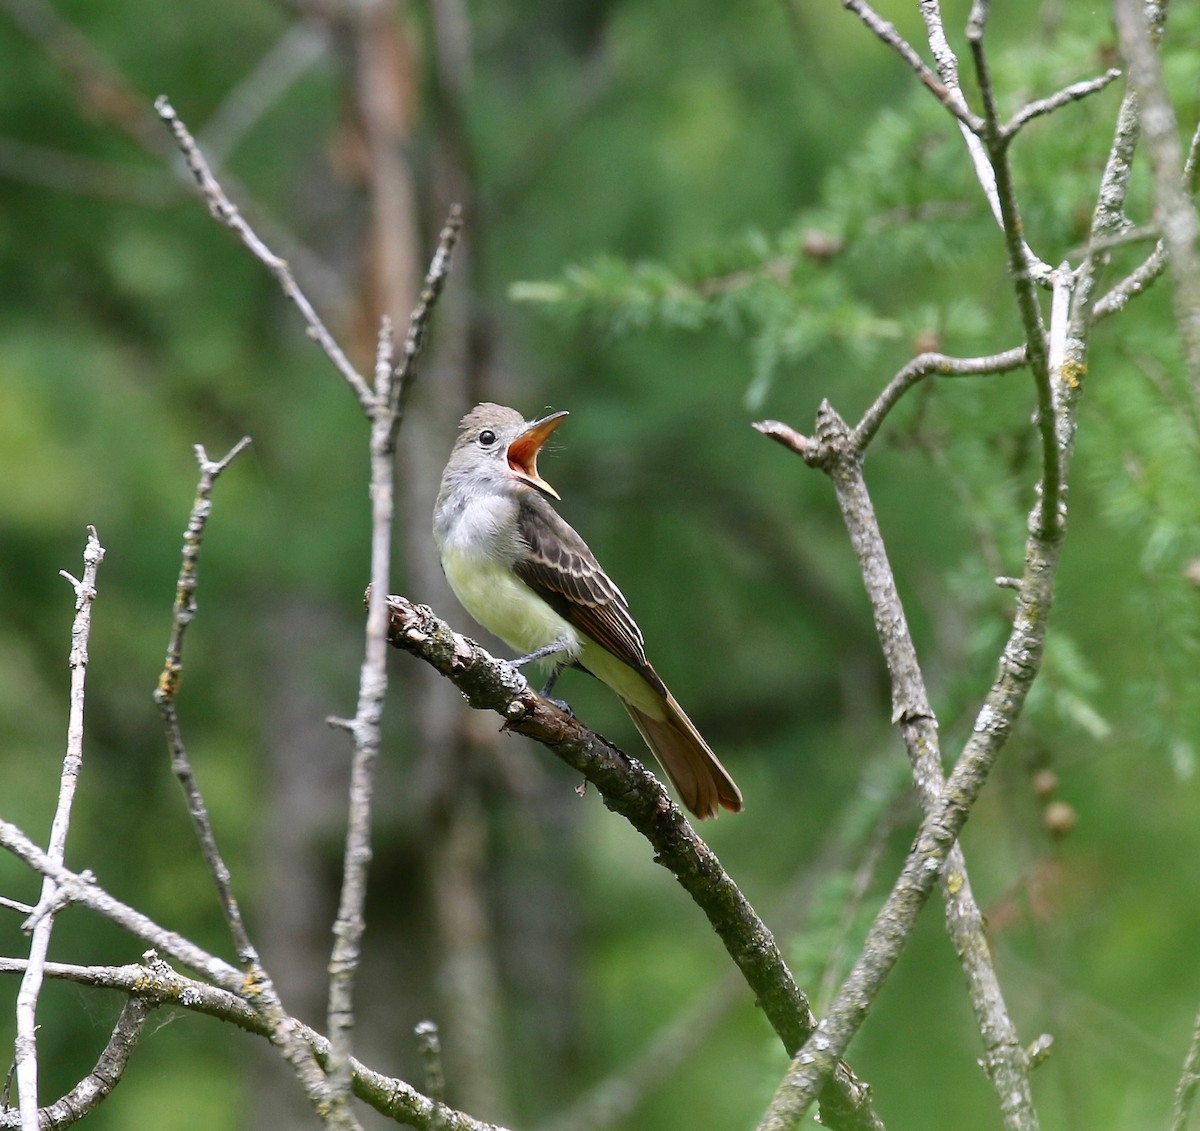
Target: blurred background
{"points": [[680, 219]]}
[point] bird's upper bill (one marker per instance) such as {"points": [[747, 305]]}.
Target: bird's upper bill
{"points": [[523, 452]]}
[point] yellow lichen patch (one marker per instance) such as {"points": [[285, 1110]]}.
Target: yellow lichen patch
{"points": [[1073, 373]]}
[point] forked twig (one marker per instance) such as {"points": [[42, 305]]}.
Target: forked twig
{"points": [[41, 920], [227, 212]]}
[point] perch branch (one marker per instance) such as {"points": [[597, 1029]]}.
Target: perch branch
{"points": [[42, 918], [629, 789]]}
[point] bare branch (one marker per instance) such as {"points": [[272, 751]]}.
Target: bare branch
{"points": [[1072, 93], [168, 687], [1024, 270], [223, 209], [835, 451], [950, 97], [265, 998], [42, 918], [1176, 213], [926, 365], [414, 340], [155, 984], [385, 414], [630, 790], [98, 1084], [83, 890]]}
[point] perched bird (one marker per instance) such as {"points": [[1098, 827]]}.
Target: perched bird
{"points": [[524, 574]]}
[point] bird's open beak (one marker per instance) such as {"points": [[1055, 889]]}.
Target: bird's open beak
{"points": [[523, 452]]}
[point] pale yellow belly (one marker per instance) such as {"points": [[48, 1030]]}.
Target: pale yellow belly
{"points": [[509, 609], [506, 606]]}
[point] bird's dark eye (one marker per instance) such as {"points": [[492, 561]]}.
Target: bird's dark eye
{"points": [[487, 437]]}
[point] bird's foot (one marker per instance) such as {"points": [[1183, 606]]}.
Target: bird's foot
{"points": [[561, 704]]}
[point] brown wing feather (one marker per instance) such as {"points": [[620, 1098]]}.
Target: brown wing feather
{"points": [[565, 572]]}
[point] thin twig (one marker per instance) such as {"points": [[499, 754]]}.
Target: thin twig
{"points": [[167, 689], [81, 888], [26, 1061], [1175, 211], [629, 789], [834, 451], [414, 340], [1024, 271], [223, 209], [384, 413], [157, 985], [264, 995], [950, 97], [926, 365], [98, 1084], [1048, 105], [430, 1046]]}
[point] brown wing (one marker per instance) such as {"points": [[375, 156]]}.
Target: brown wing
{"points": [[562, 569]]}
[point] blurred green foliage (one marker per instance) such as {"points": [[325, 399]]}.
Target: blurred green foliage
{"points": [[689, 217]]}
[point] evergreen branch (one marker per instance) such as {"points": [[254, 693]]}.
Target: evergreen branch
{"points": [[155, 985], [41, 919], [632, 791], [1189, 1082], [1072, 93], [927, 365]]}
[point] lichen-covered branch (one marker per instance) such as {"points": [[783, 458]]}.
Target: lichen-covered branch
{"points": [[632, 791], [153, 984]]}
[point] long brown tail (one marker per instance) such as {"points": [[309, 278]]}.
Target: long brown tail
{"points": [[702, 782]]}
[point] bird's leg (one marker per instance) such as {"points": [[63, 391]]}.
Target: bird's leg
{"points": [[550, 649], [561, 704]]}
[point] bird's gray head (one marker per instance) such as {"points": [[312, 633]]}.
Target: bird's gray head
{"points": [[499, 445]]}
